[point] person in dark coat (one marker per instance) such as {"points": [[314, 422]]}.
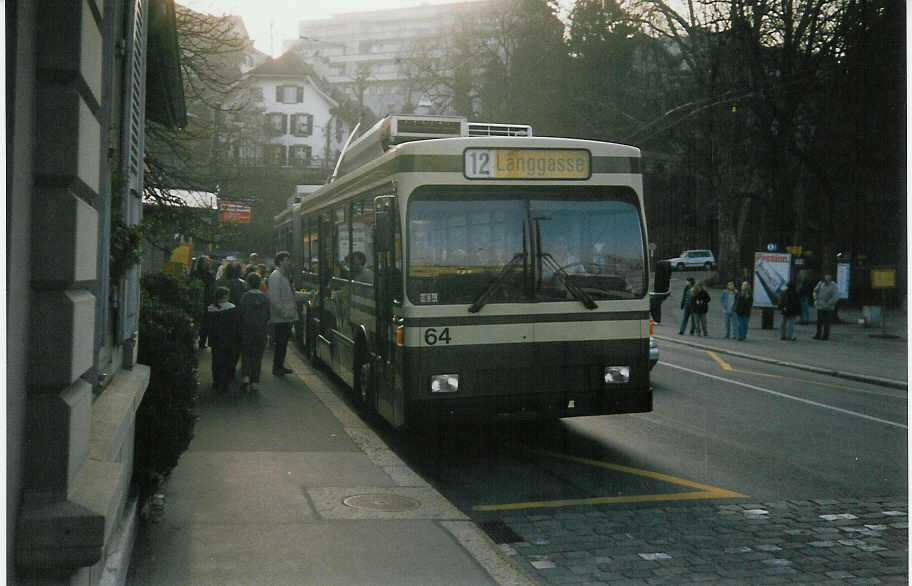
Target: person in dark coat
{"points": [[203, 271], [254, 321], [699, 305], [685, 305], [744, 301], [790, 306], [222, 325]]}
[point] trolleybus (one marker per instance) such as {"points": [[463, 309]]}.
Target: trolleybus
{"points": [[465, 271]]}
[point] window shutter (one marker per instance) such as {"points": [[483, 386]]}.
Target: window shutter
{"points": [[310, 124], [300, 95], [284, 123], [279, 95], [134, 132]]}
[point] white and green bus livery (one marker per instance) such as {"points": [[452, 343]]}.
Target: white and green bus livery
{"points": [[464, 271]]}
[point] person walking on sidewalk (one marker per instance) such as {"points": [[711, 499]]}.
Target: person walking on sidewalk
{"points": [[699, 305], [826, 294], [744, 300], [222, 325], [254, 319], [728, 306], [790, 306], [203, 272], [283, 311], [685, 305]]}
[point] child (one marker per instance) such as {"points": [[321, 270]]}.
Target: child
{"points": [[254, 321], [222, 325]]}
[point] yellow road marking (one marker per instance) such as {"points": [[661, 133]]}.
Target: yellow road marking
{"points": [[722, 363], [728, 367], [704, 491]]}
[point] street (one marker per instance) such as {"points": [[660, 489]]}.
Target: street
{"points": [[727, 434]]}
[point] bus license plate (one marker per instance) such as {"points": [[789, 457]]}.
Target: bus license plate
{"points": [[526, 164]]}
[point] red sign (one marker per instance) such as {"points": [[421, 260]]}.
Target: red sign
{"points": [[234, 211]]}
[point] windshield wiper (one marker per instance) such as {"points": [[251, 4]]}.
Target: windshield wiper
{"points": [[578, 293], [483, 298]]}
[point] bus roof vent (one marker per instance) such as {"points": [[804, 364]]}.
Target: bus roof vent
{"points": [[491, 129], [394, 130]]}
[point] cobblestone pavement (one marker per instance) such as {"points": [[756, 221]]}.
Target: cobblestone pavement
{"points": [[792, 542]]}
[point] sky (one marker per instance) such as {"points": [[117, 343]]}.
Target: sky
{"points": [[280, 17]]}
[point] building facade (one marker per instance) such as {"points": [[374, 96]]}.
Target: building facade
{"points": [[368, 54], [76, 106], [302, 124]]}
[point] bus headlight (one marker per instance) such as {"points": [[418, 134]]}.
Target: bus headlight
{"points": [[444, 383], [614, 375]]}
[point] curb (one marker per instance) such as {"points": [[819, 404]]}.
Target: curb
{"points": [[874, 380], [500, 566]]}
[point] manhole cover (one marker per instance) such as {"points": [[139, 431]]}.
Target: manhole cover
{"points": [[381, 502]]}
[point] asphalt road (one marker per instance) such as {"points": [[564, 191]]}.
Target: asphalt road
{"points": [[725, 432]]}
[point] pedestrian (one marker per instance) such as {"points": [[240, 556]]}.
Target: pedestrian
{"points": [[203, 272], [805, 293], [254, 319], [231, 280], [826, 295], [222, 325], [283, 311], [728, 306], [699, 305], [790, 306], [685, 305], [743, 303]]}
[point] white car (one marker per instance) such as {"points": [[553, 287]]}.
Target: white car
{"points": [[693, 259]]}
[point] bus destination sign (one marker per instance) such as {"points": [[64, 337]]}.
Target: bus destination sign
{"points": [[526, 164]]}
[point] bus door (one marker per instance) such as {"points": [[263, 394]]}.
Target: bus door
{"points": [[388, 299], [324, 325]]}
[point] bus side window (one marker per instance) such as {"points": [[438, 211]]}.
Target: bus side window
{"points": [[363, 238]]}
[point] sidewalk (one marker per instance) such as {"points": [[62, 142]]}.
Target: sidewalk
{"points": [[290, 487], [852, 351]]}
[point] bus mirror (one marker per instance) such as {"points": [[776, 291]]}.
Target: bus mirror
{"points": [[662, 277]]}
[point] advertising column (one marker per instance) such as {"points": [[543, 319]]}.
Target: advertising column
{"points": [[772, 272]]}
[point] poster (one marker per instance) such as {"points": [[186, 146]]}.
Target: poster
{"points": [[772, 272], [842, 279], [234, 211]]}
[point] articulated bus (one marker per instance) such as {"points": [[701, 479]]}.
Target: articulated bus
{"points": [[466, 271]]}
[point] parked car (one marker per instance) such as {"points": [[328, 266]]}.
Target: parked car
{"points": [[694, 259]]}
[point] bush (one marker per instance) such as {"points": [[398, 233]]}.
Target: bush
{"points": [[168, 329]]}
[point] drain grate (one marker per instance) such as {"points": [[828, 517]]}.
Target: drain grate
{"points": [[390, 503], [499, 532]]}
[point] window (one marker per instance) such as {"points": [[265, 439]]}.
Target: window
{"points": [[300, 155], [276, 121], [289, 94], [302, 124], [275, 155]]}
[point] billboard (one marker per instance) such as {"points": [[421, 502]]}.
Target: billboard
{"points": [[237, 212], [772, 271]]}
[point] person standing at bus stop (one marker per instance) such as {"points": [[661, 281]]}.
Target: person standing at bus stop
{"points": [[282, 311], [685, 305], [744, 301], [826, 295], [728, 310]]}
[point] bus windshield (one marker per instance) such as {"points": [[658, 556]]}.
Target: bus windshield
{"points": [[507, 245]]}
